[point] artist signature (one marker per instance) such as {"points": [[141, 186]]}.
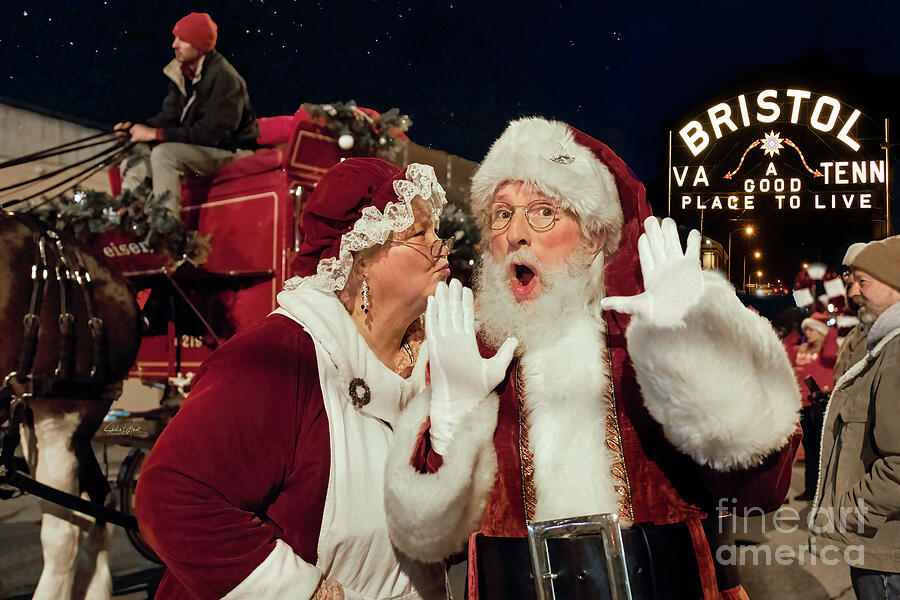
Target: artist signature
{"points": [[123, 429]]}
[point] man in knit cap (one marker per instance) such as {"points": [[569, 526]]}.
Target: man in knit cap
{"points": [[858, 497], [640, 389], [206, 119]]}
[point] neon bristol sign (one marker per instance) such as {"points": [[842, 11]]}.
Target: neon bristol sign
{"points": [[789, 149]]}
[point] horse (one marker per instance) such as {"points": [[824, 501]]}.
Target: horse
{"points": [[71, 328]]}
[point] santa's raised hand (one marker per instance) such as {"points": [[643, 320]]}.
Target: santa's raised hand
{"points": [[460, 377], [672, 279]]}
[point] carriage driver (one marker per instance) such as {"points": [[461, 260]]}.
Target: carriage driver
{"points": [[206, 119]]}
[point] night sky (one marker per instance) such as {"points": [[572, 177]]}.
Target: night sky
{"points": [[625, 74]]}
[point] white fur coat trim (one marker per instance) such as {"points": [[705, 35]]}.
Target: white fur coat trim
{"points": [[430, 516], [722, 387], [565, 384], [803, 297]]}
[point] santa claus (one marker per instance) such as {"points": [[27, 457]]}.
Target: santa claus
{"points": [[610, 375]]}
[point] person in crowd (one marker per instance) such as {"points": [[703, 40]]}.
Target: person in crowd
{"points": [[814, 357], [268, 483], [858, 497], [206, 119], [853, 345], [787, 324], [694, 414]]}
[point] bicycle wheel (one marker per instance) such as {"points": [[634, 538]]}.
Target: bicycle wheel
{"points": [[126, 482]]}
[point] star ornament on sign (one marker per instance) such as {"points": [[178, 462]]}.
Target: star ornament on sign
{"points": [[772, 145]]}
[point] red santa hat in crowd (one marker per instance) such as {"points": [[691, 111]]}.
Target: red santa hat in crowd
{"points": [[357, 204], [817, 321], [198, 30], [817, 286]]}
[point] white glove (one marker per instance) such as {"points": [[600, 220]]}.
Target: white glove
{"points": [[460, 378], [672, 281]]}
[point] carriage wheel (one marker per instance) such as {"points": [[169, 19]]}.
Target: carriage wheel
{"points": [[127, 482]]}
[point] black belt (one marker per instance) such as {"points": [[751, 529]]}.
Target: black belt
{"points": [[660, 560]]}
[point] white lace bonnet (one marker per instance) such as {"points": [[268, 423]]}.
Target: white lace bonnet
{"points": [[372, 226]]}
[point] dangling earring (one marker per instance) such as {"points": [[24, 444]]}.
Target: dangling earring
{"points": [[366, 305]]}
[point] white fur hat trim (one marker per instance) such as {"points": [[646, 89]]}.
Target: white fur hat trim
{"points": [[814, 324], [545, 154]]}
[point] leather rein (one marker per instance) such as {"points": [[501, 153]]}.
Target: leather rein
{"points": [[66, 262]]}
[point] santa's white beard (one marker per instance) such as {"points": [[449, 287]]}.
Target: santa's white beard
{"points": [[563, 371], [562, 301]]}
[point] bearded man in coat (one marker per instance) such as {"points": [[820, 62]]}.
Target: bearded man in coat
{"points": [[610, 375]]}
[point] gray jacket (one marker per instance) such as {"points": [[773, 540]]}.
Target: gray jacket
{"points": [[858, 495], [853, 349]]}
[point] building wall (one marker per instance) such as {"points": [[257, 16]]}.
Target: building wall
{"points": [[25, 132], [453, 172]]}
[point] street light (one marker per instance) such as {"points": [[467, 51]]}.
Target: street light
{"points": [[749, 231], [756, 255]]}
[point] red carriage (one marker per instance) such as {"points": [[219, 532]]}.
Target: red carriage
{"points": [[251, 210]]}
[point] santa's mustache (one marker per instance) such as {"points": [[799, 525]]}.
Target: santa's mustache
{"points": [[521, 256]]}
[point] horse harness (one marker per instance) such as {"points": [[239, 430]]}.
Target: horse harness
{"points": [[67, 264]]}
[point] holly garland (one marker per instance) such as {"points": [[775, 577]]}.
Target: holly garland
{"points": [[458, 223], [355, 128], [135, 215]]}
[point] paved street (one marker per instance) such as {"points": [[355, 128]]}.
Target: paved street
{"points": [[19, 530], [20, 521], [798, 578], [811, 580]]}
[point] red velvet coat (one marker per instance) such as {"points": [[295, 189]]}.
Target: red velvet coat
{"points": [[244, 462], [820, 367], [665, 485]]}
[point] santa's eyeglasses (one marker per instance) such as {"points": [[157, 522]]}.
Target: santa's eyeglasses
{"points": [[540, 214]]}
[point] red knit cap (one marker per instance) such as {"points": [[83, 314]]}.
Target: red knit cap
{"points": [[198, 30]]}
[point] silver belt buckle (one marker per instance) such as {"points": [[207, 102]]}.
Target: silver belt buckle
{"points": [[605, 525]]}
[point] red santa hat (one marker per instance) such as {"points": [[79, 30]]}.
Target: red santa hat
{"points": [[198, 30], [817, 321], [817, 287], [564, 164], [356, 205]]}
